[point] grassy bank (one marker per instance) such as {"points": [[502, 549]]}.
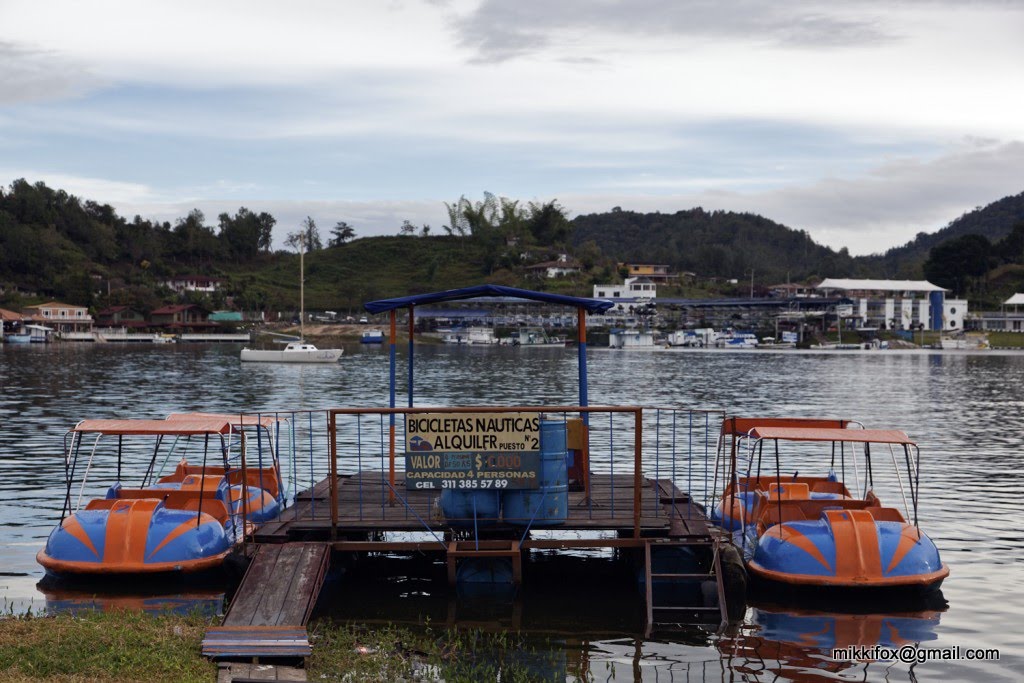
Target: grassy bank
{"points": [[1006, 340], [132, 646], [104, 646]]}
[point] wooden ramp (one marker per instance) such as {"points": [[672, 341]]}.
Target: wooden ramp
{"points": [[267, 617]]}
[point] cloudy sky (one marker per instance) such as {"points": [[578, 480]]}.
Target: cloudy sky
{"points": [[861, 122]]}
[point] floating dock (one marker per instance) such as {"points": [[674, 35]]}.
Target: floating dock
{"points": [[483, 487], [634, 508]]}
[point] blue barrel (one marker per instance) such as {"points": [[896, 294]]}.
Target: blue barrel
{"points": [[464, 508], [547, 505]]}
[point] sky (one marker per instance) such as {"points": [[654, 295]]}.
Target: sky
{"points": [[861, 122]]}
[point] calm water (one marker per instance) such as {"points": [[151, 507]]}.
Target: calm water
{"points": [[964, 409]]}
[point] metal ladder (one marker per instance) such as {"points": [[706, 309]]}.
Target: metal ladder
{"points": [[478, 548], [714, 575]]}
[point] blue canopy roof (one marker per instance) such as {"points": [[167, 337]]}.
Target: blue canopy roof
{"points": [[590, 305]]}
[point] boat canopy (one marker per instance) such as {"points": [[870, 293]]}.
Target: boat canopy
{"points": [[820, 434], [267, 421], [589, 305], [743, 425], [183, 426]]}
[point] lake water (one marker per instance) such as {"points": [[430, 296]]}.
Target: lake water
{"points": [[965, 410]]}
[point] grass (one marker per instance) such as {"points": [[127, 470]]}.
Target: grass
{"points": [[135, 646], [1006, 340], [104, 646]]}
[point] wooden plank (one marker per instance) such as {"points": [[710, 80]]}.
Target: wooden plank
{"points": [[247, 597], [239, 672], [305, 587], [268, 612], [256, 642]]}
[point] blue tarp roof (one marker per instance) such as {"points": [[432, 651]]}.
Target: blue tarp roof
{"points": [[590, 305]]}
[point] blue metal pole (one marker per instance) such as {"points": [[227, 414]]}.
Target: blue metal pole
{"points": [[411, 328]]}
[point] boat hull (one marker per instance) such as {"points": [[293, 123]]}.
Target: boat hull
{"points": [[848, 551], [119, 537], [304, 356]]}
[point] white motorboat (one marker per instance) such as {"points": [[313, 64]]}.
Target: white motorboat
{"points": [[294, 352]]}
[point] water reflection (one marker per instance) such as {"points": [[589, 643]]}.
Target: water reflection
{"points": [[193, 600], [797, 645]]}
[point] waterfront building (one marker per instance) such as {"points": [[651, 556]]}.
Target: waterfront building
{"points": [[1004, 320], [898, 304], [64, 319]]}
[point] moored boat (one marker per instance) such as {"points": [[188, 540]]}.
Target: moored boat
{"points": [[372, 337], [533, 337], [294, 352], [844, 544], [172, 527]]}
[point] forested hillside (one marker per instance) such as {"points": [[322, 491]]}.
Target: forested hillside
{"points": [[713, 243], [993, 222], [56, 245]]}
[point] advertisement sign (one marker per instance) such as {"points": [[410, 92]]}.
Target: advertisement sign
{"points": [[472, 451], [472, 432], [471, 471]]}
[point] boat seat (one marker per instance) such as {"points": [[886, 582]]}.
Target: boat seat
{"points": [[886, 514], [833, 487], [171, 498], [265, 479], [789, 491], [776, 511]]}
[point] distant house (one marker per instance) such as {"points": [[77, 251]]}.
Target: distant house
{"points": [[10, 321], [60, 317], [193, 283], [182, 317], [120, 316], [560, 267], [655, 272], [791, 290], [632, 288]]}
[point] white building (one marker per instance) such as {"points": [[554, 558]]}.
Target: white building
{"points": [[193, 283], [1009, 319], [899, 304], [632, 288]]}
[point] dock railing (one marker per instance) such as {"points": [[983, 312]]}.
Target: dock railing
{"points": [[345, 467]]}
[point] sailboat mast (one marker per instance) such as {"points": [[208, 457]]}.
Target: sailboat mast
{"points": [[302, 288]]}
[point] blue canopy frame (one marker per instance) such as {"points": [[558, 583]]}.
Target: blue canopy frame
{"points": [[582, 306]]}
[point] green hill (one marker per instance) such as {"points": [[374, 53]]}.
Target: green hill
{"points": [[713, 243], [994, 222], [54, 244]]}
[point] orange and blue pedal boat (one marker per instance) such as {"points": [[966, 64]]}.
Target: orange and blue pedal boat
{"points": [[185, 523], [848, 543]]}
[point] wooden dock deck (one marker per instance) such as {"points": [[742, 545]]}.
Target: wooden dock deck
{"points": [[267, 617], [266, 620], [365, 506]]}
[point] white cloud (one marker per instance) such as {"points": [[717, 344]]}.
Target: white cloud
{"points": [[829, 117], [102, 190]]}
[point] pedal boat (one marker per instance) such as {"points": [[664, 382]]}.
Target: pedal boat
{"points": [[260, 486], [176, 528], [846, 544], [743, 495]]}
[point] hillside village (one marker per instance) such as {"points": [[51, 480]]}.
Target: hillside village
{"points": [[139, 281]]}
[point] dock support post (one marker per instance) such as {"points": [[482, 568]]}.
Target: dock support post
{"points": [[412, 330], [638, 415], [332, 436], [391, 417], [581, 350]]}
